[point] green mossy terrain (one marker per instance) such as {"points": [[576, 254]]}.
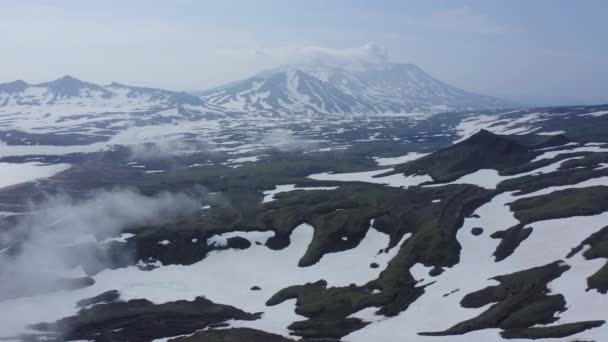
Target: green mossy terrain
{"points": [[483, 150], [432, 243], [562, 204], [141, 320], [340, 219]]}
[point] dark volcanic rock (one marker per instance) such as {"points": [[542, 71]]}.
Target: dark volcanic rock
{"points": [[141, 320], [477, 231], [232, 335], [239, 335], [556, 331], [255, 288], [238, 242], [106, 297], [435, 271], [374, 265], [510, 239]]}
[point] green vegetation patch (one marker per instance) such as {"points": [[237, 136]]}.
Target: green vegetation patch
{"points": [[562, 204], [556, 331], [521, 301]]}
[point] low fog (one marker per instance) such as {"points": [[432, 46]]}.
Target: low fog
{"points": [[161, 149], [33, 261], [284, 139]]}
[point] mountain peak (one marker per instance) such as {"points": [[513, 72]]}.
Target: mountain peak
{"points": [[66, 80], [13, 87], [68, 86]]}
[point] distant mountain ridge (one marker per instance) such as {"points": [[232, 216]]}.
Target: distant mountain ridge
{"points": [[304, 90], [68, 89]]}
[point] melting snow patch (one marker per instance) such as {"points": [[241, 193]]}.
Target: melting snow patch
{"points": [[596, 114], [221, 240], [122, 238], [269, 194], [20, 173], [485, 178], [551, 133], [399, 160], [243, 160], [397, 180], [421, 274], [553, 154]]}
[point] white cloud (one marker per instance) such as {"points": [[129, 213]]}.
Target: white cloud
{"points": [[357, 57]]}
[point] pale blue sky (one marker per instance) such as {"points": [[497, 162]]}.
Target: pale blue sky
{"points": [[544, 51]]}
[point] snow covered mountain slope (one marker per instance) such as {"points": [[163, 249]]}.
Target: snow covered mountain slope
{"points": [[71, 105], [68, 91], [380, 89]]}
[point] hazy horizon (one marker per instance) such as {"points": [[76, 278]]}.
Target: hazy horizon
{"points": [[540, 53]]}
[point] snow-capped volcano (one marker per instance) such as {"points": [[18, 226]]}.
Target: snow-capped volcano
{"points": [[387, 88]]}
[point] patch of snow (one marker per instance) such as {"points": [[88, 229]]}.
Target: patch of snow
{"points": [[489, 178], [13, 173], [551, 133], [596, 114], [253, 237], [399, 160], [269, 194], [397, 180], [243, 160], [553, 154], [122, 238]]}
